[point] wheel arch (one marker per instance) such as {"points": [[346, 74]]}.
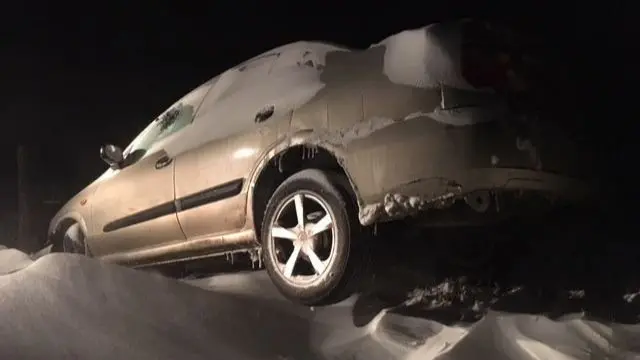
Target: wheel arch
{"points": [[63, 224], [296, 153]]}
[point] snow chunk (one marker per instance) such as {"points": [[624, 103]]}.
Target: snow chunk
{"points": [[427, 57], [359, 130], [396, 205]]}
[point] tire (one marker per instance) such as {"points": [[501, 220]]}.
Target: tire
{"points": [[344, 262], [72, 241]]}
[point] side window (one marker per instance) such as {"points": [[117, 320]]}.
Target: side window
{"points": [[170, 122], [173, 120], [247, 74], [238, 90]]}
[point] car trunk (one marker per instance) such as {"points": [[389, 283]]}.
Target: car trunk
{"points": [[524, 130]]}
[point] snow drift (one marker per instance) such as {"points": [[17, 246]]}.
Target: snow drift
{"points": [[68, 306], [71, 307], [12, 260]]}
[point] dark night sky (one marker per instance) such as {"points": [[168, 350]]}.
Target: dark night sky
{"points": [[77, 75]]}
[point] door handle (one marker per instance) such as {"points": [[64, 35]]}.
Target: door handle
{"points": [[163, 161], [264, 114]]}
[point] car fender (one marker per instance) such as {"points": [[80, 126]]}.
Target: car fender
{"points": [[305, 137]]}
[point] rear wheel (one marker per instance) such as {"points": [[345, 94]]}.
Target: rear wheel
{"points": [[311, 238]]}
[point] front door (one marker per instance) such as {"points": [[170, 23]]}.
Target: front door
{"points": [[134, 207]]}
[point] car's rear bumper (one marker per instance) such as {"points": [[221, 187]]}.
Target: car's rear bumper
{"points": [[526, 180], [422, 163], [488, 190]]}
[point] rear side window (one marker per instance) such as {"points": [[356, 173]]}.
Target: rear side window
{"points": [[233, 101], [249, 73]]}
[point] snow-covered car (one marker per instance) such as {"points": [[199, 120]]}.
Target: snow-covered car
{"points": [[295, 154]]}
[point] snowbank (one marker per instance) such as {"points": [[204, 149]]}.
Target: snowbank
{"points": [[71, 307], [68, 306], [497, 336], [12, 260]]}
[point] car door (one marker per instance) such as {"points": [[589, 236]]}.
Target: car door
{"points": [[233, 126], [246, 112], [134, 206]]}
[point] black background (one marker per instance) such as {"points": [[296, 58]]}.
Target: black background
{"points": [[75, 75]]}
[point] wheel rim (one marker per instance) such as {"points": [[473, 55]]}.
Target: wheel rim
{"points": [[73, 240], [303, 239]]}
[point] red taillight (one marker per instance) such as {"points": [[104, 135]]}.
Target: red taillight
{"points": [[484, 70], [487, 61]]}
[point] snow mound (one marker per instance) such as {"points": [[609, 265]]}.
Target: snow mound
{"points": [[71, 307], [67, 306], [12, 260], [426, 57], [388, 335], [507, 336]]}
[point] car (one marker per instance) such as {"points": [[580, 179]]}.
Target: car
{"points": [[295, 155]]}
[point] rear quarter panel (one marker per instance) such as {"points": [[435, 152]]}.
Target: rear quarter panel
{"points": [[361, 117]]}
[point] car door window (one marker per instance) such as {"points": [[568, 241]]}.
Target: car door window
{"points": [[173, 120], [235, 99], [169, 123]]}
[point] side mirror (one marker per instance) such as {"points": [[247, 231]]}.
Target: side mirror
{"points": [[112, 155]]}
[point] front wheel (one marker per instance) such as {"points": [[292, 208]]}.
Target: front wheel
{"points": [[310, 238], [72, 241]]}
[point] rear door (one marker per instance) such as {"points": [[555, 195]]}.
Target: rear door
{"points": [[233, 126]]}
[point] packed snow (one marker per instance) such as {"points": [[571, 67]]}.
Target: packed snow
{"points": [[12, 260], [427, 57], [67, 306]]}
